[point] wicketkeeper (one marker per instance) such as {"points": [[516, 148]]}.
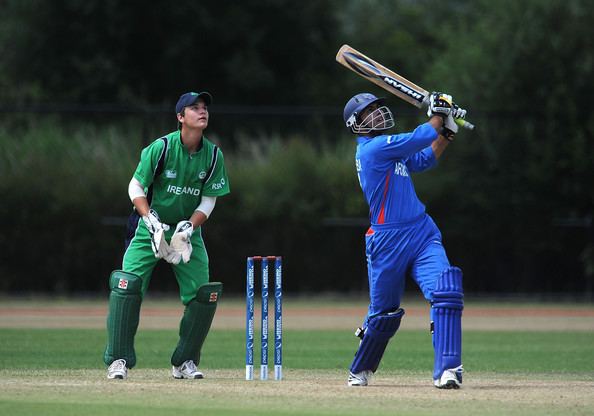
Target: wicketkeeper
{"points": [[402, 239], [173, 190]]}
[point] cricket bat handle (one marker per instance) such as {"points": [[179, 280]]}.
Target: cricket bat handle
{"points": [[460, 122], [464, 123]]}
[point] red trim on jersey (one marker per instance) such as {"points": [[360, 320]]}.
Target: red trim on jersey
{"points": [[370, 231], [381, 217]]}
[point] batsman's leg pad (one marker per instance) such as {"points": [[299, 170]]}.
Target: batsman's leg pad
{"points": [[446, 312], [379, 330], [196, 322], [122, 319]]}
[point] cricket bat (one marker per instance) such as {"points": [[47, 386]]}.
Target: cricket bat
{"points": [[387, 79]]}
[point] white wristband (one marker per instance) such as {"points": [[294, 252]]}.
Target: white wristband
{"points": [[135, 189], [207, 205]]}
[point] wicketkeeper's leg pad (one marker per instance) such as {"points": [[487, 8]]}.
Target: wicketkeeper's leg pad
{"points": [[196, 322], [379, 330], [123, 316], [446, 312]]}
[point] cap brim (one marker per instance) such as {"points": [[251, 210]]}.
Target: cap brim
{"points": [[205, 96]]}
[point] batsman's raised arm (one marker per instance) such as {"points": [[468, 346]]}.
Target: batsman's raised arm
{"points": [[441, 112]]}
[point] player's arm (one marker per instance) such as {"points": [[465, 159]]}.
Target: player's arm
{"points": [[150, 217], [422, 161], [442, 111], [436, 122], [217, 185], [203, 211], [138, 197], [441, 142], [399, 146], [144, 175], [427, 158], [439, 145]]}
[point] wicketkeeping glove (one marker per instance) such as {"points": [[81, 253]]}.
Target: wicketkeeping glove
{"points": [[181, 243], [440, 104], [156, 230]]}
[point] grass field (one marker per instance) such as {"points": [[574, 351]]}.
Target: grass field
{"points": [[50, 363]]}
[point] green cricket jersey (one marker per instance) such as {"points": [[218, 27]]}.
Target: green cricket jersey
{"points": [[178, 190]]}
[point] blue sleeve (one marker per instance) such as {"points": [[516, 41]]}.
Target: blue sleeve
{"points": [[400, 146], [423, 160]]}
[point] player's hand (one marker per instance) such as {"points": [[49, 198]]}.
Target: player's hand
{"points": [[156, 230], [181, 243], [440, 104]]}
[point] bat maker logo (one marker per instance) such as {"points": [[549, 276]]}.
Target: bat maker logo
{"points": [[402, 88], [368, 69]]}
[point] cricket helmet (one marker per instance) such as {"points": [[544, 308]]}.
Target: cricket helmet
{"points": [[380, 119]]}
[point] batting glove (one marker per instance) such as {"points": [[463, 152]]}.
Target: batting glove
{"points": [[440, 104], [450, 128], [458, 112], [156, 230]]}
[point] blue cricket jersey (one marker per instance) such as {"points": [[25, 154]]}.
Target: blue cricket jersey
{"points": [[384, 164]]}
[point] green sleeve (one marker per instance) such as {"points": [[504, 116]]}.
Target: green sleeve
{"points": [[149, 158], [218, 184]]}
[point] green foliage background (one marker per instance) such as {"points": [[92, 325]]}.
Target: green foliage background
{"points": [[83, 86]]}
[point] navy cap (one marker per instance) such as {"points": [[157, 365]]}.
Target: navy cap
{"points": [[190, 98]]}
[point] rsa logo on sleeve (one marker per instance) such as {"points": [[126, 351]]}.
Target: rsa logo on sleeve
{"points": [[219, 185]]}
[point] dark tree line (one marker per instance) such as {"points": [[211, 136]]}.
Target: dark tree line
{"points": [[514, 199]]}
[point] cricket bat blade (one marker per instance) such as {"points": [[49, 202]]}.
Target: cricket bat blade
{"points": [[387, 79]]}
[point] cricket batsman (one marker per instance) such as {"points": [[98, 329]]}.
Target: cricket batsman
{"points": [[402, 239], [174, 191]]}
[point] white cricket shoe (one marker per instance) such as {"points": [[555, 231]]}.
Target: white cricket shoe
{"points": [[450, 379], [359, 379], [118, 370], [186, 370]]}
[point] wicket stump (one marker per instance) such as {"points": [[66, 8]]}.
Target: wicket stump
{"points": [[278, 316]]}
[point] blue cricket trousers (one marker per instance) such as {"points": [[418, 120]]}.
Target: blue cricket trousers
{"points": [[396, 250]]}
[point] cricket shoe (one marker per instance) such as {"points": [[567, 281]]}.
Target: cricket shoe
{"points": [[117, 370], [450, 379], [186, 370], [359, 379]]}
